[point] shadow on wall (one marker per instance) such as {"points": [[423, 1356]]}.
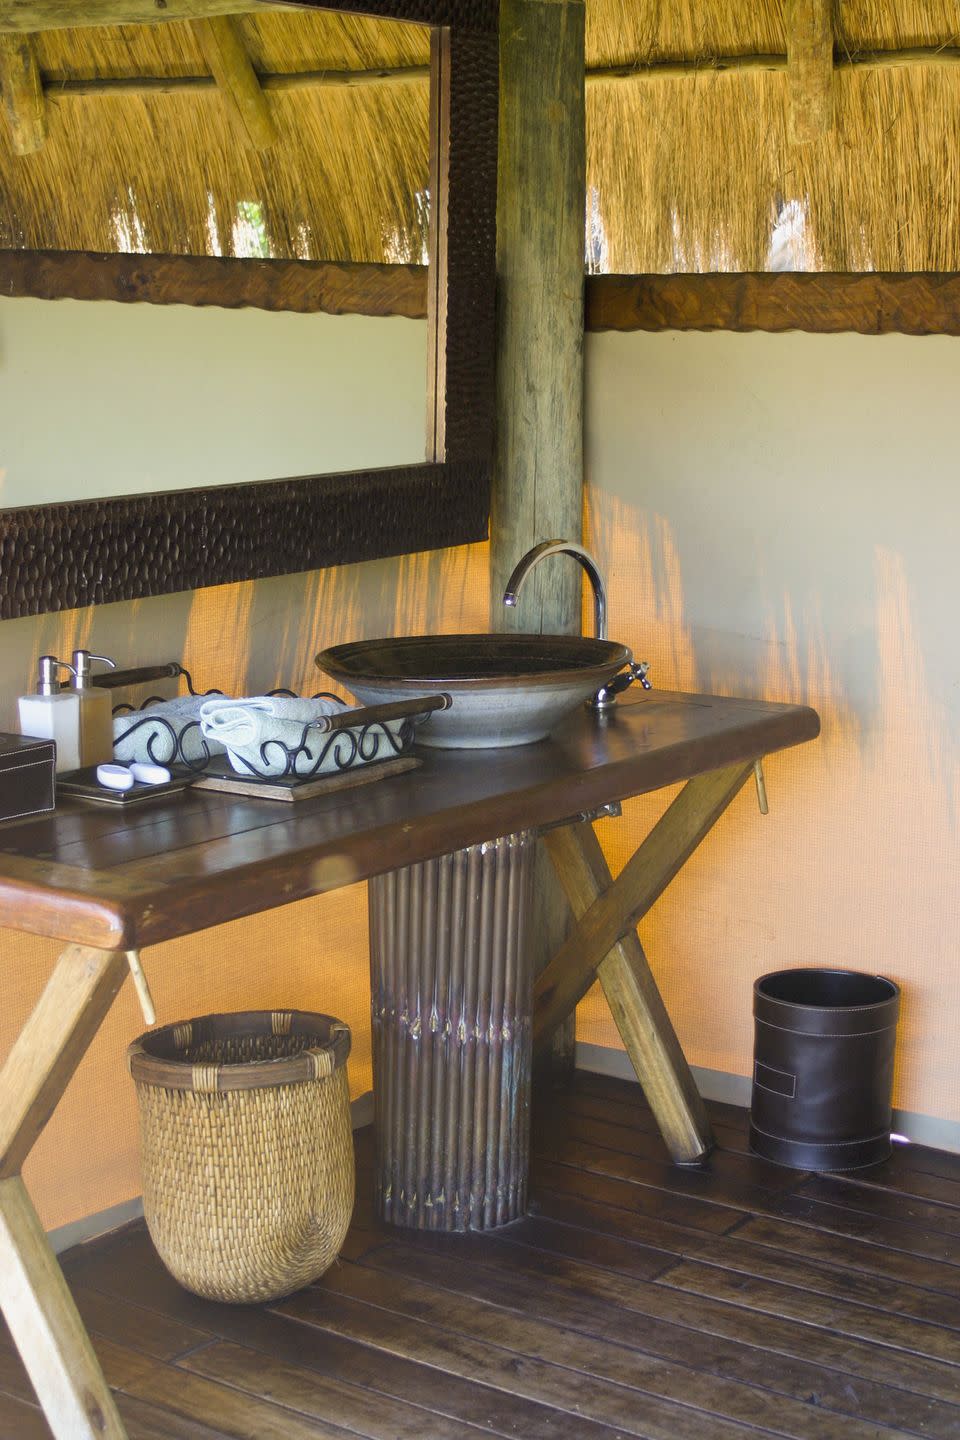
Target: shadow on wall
{"points": [[856, 866], [312, 955]]}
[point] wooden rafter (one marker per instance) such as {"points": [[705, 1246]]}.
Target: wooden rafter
{"points": [[810, 68], [226, 53], [68, 89], [23, 96], [26, 16]]}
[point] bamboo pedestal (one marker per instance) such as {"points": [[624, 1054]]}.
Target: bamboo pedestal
{"points": [[451, 980]]}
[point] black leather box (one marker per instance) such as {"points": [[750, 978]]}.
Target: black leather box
{"points": [[26, 776]]}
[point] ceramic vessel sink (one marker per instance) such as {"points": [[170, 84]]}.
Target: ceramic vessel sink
{"points": [[506, 689]]}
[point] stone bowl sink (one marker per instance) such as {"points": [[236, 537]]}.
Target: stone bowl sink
{"points": [[506, 689]]}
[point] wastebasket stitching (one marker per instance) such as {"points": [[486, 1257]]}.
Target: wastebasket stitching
{"points": [[819, 1144], [826, 1034]]}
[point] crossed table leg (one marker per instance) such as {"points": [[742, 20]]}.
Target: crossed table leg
{"points": [[604, 946], [39, 1309], [38, 1306]]}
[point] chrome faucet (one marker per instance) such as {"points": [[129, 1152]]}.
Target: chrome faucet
{"points": [[562, 547], [606, 696]]}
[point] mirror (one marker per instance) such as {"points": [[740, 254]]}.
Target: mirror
{"points": [[236, 427]]}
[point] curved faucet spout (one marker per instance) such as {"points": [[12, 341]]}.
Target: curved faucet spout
{"points": [[562, 547]]}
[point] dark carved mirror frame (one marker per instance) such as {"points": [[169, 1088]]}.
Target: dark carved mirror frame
{"points": [[64, 556]]}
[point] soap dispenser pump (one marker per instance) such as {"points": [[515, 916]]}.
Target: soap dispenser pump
{"points": [[96, 712], [53, 714]]}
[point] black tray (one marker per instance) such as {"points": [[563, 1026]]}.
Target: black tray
{"points": [[83, 785]]}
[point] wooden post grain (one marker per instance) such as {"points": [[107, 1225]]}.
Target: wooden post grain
{"points": [[538, 479], [36, 1302], [47, 1328], [636, 1005], [606, 914], [22, 93], [605, 945], [810, 68]]}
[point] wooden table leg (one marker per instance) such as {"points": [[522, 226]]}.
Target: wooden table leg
{"points": [[39, 1309], [604, 945]]}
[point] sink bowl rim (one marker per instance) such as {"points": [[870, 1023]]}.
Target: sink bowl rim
{"points": [[344, 663]]}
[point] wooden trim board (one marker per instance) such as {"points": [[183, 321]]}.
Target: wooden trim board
{"points": [[304, 286], [730, 1089], [870, 304], [824, 303]]}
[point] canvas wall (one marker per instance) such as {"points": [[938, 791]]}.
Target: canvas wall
{"points": [[778, 517]]}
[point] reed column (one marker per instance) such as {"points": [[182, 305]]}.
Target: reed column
{"points": [[451, 981]]}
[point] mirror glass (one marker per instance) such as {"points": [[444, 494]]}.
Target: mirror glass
{"points": [[148, 151]]}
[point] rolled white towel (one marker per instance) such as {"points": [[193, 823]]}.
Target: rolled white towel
{"points": [[166, 732], [261, 733]]}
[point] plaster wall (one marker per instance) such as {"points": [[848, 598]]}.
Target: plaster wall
{"points": [[778, 517]]}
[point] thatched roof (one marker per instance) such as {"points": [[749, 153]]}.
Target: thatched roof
{"points": [[168, 172], [694, 171], [688, 170]]}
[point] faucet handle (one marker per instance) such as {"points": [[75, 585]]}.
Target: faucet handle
{"points": [[606, 696]]}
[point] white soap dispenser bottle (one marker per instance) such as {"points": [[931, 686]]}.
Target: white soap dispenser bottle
{"points": [[96, 711], [53, 714]]}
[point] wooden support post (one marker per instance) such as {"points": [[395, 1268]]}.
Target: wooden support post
{"points": [[226, 54], [604, 944], [538, 482], [810, 68], [36, 1302], [22, 93]]}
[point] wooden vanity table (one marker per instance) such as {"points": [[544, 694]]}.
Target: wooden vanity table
{"points": [[107, 884]]}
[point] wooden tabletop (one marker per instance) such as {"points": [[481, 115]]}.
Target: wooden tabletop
{"points": [[124, 881]]}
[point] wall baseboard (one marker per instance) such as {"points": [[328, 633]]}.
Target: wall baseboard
{"points": [[91, 1227], [735, 1090], [601, 1060]]}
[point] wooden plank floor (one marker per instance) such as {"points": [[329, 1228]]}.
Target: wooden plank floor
{"points": [[720, 1303]]}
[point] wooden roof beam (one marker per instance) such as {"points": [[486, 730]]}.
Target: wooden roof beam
{"points": [[810, 68], [225, 52], [23, 96], [26, 16]]}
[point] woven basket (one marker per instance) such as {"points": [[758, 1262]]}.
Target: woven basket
{"points": [[247, 1149]]}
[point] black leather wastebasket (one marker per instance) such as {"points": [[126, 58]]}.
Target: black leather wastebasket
{"points": [[823, 1068]]}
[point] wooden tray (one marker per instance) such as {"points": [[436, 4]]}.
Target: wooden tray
{"points": [[220, 776]]}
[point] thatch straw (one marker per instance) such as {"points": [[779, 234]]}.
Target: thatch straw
{"points": [[691, 173], [694, 173], [167, 173]]}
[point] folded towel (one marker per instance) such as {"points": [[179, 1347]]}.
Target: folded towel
{"points": [[271, 735], [166, 732]]}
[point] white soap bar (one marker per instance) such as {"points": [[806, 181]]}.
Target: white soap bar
{"points": [[114, 777], [146, 774]]}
